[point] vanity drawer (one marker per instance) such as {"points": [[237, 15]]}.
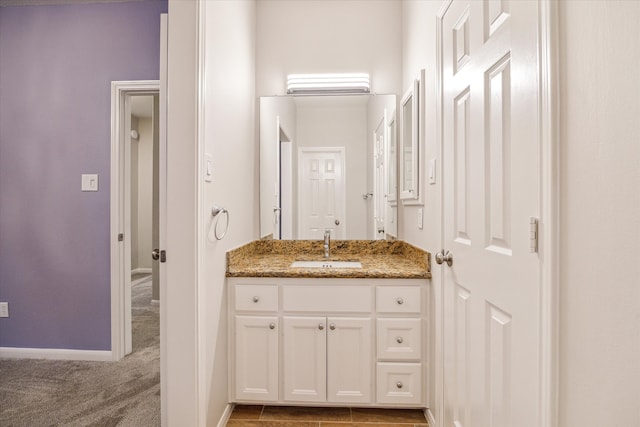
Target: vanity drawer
{"points": [[398, 299], [256, 297], [399, 339], [399, 383], [353, 299]]}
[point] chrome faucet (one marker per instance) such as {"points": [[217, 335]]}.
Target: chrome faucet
{"points": [[327, 239]]}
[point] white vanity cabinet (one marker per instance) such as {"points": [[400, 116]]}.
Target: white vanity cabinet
{"points": [[327, 341]]}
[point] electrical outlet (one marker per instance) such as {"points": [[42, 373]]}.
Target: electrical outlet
{"points": [[4, 309]]}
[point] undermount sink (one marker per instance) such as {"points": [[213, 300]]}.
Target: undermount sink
{"points": [[326, 264]]}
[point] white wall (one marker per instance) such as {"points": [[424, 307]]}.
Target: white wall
{"points": [[230, 134], [600, 211], [328, 36], [179, 322], [418, 52], [144, 196], [133, 147]]}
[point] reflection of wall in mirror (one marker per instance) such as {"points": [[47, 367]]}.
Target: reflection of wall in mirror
{"points": [[272, 111]]}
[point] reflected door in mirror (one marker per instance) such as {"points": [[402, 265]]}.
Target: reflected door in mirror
{"points": [[321, 192]]}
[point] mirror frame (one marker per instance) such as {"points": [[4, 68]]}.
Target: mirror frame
{"points": [[411, 97]]}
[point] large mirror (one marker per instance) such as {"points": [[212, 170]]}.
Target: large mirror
{"points": [[328, 162]]}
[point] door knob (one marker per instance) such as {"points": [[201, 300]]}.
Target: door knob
{"points": [[443, 256], [155, 254], [337, 222]]}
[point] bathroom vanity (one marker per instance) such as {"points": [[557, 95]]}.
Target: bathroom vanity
{"points": [[328, 335]]}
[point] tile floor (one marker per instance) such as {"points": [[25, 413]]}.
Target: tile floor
{"points": [[296, 416]]}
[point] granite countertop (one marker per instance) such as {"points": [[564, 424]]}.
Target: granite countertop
{"points": [[379, 259]]}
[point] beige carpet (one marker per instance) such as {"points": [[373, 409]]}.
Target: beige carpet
{"points": [[37, 393]]}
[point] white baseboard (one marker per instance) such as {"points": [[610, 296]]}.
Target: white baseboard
{"points": [[55, 354], [141, 270], [144, 279], [430, 417], [226, 414]]}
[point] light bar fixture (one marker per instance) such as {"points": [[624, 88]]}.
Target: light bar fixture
{"points": [[307, 84]]}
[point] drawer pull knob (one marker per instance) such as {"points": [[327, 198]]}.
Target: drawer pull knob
{"points": [[256, 299], [399, 384], [332, 326], [400, 301], [272, 325], [399, 340], [321, 326]]}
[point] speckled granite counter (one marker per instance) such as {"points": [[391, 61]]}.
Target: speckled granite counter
{"points": [[379, 259]]}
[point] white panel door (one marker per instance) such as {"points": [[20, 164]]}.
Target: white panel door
{"points": [[349, 358], [256, 358], [305, 359], [490, 189], [321, 192]]}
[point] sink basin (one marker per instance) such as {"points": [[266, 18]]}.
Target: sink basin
{"points": [[326, 264]]}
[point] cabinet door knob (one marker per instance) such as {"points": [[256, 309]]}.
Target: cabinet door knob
{"points": [[256, 299], [399, 384], [400, 301], [332, 326], [321, 326], [272, 325], [399, 340]]}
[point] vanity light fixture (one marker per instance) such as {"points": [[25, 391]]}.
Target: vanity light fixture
{"points": [[306, 84]]}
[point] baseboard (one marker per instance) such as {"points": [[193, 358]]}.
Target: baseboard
{"points": [[142, 280], [224, 419], [141, 270], [55, 354], [430, 417]]}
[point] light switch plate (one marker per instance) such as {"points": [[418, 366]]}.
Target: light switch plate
{"points": [[208, 167], [432, 171], [420, 216], [89, 182], [4, 309]]}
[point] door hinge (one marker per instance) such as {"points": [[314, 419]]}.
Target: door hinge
{"points": [[533, 234], [120, 237], [163, 256]]}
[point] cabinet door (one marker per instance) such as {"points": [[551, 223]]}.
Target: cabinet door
{"points": [[349, 360], [304, 359], [256, 358]]}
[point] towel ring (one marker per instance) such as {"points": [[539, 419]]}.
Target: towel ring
{"points": [[217, 212]]}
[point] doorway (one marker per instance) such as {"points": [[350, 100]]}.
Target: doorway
{"points": [[136, 178]]}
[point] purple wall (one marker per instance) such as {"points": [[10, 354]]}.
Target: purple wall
{"points": [[56, 67]]}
